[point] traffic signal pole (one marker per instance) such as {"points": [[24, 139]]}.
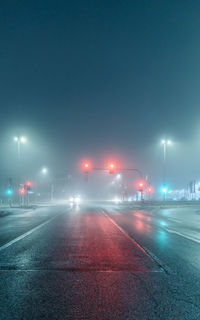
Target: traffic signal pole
{"points": [[112, 168]]}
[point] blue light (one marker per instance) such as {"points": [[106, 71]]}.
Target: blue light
{"points": [[164, 189], [9, 192], [163, 223]]}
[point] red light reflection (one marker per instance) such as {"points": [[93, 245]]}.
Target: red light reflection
{"points": [[142, 222], [142, 216]]}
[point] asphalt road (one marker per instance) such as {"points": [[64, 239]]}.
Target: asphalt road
{"points": [[97, 261]]}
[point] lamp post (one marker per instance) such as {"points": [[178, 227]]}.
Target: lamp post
{"points": [[44, 171], [165, 144], [19, 140], [49, 178]]}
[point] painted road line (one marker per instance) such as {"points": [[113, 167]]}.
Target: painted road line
{"points": [[124, 233], [146, 251], [183, 235], [10, 243]]}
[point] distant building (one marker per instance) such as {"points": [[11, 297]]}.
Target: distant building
{"points": [[192, 192]]}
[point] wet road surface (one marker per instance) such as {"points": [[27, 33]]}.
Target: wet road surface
{"points": [[100, 262]]}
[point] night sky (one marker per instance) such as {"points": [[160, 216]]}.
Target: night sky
{"points": [[101, 78]]}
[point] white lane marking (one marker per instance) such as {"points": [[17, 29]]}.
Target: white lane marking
{"points": [[183, 235], [175, 220], [10, 243], [125, 233], [146, 251]]}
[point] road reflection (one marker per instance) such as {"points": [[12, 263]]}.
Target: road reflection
{"points": [[142, 216], [162, 238], [142, 222], [142, 225]]}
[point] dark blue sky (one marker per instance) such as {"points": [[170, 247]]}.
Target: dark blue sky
{"points": [[99, 77]]}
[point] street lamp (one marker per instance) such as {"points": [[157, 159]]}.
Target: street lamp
{"points": [[19, 140], [44, 170], [118, 176]]}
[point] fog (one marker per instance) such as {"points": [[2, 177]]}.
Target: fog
{"points": [[64, 170]]}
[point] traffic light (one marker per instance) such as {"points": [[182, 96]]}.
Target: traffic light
{"points": [[150, 189], [112, 168], [28, 185], [9, 192], [140, 185], [22, 191], [86, 167], [164, 189]]}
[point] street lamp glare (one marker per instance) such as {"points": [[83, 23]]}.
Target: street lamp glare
{"points": [[44, 170], [20, 139], [169, 142], [23, 139], [163, 141]]}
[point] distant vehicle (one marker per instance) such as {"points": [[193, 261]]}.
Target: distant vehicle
{"points": [[117, 200], [75, 200]]}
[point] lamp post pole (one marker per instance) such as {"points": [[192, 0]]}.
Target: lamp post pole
{"points": [[19, 140], [165, 143]]}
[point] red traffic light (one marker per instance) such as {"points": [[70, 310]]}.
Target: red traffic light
{"points": [[150, 189], [22, 191], [28, 183], [140, 185], [86, 166], [111, 168]]}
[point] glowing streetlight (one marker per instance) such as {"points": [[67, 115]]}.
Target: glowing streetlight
{"points": [[19, 140], [44, 171], [23, 139], [166, 142]]}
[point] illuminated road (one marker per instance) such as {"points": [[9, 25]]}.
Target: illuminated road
{"points": [[100, 262]]}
